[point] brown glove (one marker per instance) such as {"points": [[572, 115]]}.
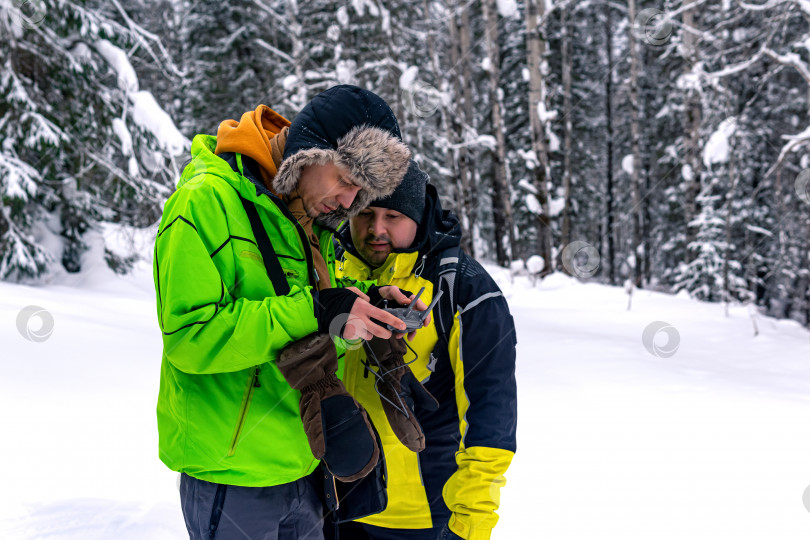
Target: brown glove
{"points": [[337, 427], [399, 390]]}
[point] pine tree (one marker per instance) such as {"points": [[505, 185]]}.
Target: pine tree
{"points": [[80, 141]]}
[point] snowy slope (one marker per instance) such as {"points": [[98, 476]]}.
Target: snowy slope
{"points": [[613, 442]]}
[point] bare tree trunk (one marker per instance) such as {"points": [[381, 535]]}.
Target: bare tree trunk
{"points": [[298, 53], [646, 221], [776, 276], [459, 119], [779, 277], [635, 213], [468, 120], [732, 174], [645, 230], [806, 290], [567, 140], [535, 53], [450, 135], [501, 193], [692, 121], [609, 120]]}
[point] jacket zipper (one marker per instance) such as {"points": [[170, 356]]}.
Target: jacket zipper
{"points": [[254, 383]]}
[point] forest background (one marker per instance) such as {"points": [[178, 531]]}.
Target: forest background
{"points": [[656, 144]]}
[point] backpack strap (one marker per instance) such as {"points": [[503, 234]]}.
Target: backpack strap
{"points": [[271, 262], [446, 282]]}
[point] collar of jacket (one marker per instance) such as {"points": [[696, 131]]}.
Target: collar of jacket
{"points": [[396, 266], [205, 161]]}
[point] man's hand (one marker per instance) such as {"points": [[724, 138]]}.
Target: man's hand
{"points": [[358, 292], [403, 298], [347, 314], [364, 322]]}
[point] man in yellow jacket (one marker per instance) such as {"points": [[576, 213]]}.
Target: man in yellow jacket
{"points": [[465, 358]]}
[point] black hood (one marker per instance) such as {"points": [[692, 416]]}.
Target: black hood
{"points": [[439, 230]]}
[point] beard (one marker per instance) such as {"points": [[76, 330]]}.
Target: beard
{"points": [[373, 256]]}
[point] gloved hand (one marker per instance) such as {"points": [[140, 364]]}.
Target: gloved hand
{"points": [[338, 309], [447, 534], [397, 387], [337, 427], [330, 303]]}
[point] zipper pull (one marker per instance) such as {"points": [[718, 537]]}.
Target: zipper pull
{"points": [[256, 383], [334, 490], [418, 273]]}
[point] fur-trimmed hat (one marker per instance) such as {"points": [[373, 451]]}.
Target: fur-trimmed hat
{"points": [[355, 129]]}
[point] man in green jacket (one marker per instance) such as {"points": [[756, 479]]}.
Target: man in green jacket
{"points": [[228, 419]]}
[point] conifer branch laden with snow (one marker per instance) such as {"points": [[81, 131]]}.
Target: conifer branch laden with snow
{"points": [[80, 143]]}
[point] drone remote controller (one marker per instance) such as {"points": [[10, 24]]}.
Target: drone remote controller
{"points": [[412, 318]]}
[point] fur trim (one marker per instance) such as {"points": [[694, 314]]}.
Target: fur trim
{"points": [[289, 173], [376, 160]]}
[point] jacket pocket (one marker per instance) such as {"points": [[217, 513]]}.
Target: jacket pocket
{"points": [[253, 383]]}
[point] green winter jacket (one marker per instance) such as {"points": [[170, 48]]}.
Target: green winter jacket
{"points": [[225, 413]]}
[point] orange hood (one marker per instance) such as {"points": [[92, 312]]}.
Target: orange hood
{"points": [[260, 134]]}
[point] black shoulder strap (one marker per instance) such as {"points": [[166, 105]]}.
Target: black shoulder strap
{"points": [[274, 270], [271, 263], [446, 282]]}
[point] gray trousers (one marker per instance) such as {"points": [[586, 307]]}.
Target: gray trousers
{"points": [[220, 512]]}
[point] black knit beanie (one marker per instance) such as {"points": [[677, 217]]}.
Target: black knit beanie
{"points": [[409, 196]]}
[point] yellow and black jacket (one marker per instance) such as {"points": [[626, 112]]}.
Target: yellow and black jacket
{"points": [[470, 371]]}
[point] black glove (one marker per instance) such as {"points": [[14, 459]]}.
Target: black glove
{"points": [[376, 299], [447, 534], [413, 392], [330, 303]]}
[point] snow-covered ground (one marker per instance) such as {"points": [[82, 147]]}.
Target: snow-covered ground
{"points": [[710, 442]]}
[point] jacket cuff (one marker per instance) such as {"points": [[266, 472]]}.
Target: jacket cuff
{"points": [[462, 525], [307, 314]]}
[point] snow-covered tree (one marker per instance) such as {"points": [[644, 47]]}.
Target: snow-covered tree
{"points": [[672, 137], [82, 142]]}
